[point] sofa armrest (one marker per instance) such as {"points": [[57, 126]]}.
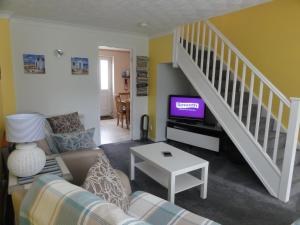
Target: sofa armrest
{"points": [[17, 198], [79, 162]]}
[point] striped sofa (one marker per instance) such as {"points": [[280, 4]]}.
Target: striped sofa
{"points": [[52, 200]]}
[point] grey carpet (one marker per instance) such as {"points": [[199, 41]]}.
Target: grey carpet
{"points": [[235, 195]]}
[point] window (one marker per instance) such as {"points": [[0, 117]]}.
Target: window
{"points": [[104, 74]]}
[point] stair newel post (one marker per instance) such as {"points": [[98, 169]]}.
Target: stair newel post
{"points": [[176, 42], [290, 150]]}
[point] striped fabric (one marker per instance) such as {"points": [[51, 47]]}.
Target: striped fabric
{"points": [[296, 222], [52, 200], [155, 210]]}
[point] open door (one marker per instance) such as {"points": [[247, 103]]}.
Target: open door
{"points": [[106, 86]]}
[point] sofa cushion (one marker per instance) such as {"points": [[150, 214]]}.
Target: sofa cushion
{"points": [[52, 200], [155, 210], [75, 140], [66, 123], [103, 181]]}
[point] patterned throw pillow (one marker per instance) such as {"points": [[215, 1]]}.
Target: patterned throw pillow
{"points": [[66, 123], [103, 181], [74, 141]]}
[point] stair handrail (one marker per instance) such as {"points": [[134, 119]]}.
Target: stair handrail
{"points": [[250, 65]]}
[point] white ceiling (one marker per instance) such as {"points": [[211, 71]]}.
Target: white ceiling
{"points": [[125, 15]]}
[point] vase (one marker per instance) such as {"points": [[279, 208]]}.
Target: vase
{"points": [[26, 160]]}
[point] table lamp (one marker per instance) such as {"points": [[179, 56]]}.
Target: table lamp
{"points": [[23, 129]]}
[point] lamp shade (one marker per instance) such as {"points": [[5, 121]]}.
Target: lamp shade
{"points": [[21, 128]]}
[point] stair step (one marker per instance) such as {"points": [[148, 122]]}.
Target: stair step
{"points": [[237, 97], [223, 83]]}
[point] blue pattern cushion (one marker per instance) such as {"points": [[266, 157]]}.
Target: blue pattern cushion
{"points": [[75, 140]]}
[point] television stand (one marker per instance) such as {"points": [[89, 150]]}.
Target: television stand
{"points": [[196, 134]]}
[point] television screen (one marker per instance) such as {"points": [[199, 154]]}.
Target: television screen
{"points": [[186, 107]]}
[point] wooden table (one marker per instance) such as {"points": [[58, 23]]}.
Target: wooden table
{"points": [[126, 104], [54, 165], [171, 172]]}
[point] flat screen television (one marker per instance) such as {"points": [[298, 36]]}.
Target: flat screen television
{"points": [[186, 107]]}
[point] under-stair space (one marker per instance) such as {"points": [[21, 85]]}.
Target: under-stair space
{"points": [[260, 120]]}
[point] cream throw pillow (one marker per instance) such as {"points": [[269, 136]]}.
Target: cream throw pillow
{"points": [[103, 181]]}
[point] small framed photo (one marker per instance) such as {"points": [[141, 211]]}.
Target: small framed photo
{"points": [[80, 66], [34, 64]]}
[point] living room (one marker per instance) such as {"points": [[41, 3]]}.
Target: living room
{"points": [[65, 42]]}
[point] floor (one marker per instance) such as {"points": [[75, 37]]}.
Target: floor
{"points": [[235, 195], [111, 133]]}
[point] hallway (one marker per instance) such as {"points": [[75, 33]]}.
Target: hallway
{"points": [[111, 133]]}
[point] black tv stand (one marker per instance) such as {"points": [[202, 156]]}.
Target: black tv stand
{"points": [[195, 133]]}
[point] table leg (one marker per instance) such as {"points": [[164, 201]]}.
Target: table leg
{"points": [[171, 189], [132, 165], [204, 177]]}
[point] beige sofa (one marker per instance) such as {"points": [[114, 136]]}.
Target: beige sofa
{"points": [[78, 162]]}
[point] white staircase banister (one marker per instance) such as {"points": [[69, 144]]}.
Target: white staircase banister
{"points": [[260, 136], [275, 90]]}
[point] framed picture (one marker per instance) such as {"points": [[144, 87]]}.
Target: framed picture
{"points": [[80, 66], [34, 64]]}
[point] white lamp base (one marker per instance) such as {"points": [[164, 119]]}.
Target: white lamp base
{"points": [[26, 160]]}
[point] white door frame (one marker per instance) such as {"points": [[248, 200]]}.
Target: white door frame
{"points": [[132, 76]]}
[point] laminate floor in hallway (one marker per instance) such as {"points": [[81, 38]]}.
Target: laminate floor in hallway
{"points": [[111, 133]]}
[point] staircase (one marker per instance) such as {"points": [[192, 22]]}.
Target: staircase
{"points": [[249, 107]]}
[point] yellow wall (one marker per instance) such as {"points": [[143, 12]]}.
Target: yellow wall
{"points": [[269, 36], [7, 93], [160, 51]]}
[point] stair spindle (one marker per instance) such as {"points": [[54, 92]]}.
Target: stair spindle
{"points": [[250, 101], [198, 39], [192, 41], [242, 91], [187, 38], [260, 96], [203, 46], [227, 74], [182, 35], [208, 53], [221, 67], [215, 60], [236, 69], [270, 102], [277, 135]]}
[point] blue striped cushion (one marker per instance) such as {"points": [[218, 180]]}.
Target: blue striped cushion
{"points": [[157, 211]]}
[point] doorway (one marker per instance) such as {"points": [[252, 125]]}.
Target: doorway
{"points": [[115, 94], [106, 86]]}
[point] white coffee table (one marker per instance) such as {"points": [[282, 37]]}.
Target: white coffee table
{"points": [[170, 172]]}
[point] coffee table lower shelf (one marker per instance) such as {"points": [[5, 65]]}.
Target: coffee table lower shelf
{"points": [[183, 182]]}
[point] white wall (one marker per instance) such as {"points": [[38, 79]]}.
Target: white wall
{"points": [[170, 81], [58, 91]]}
